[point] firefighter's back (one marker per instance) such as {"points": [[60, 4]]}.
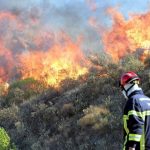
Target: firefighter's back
{"points": [[145, 107]]}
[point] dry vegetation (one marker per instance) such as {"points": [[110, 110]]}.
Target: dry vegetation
{"points": [[82, 115]]}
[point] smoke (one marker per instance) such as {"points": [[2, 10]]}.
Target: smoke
{"points": [[49, 16]]}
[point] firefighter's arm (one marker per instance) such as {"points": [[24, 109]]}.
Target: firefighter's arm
{"points": [[135, 125]]}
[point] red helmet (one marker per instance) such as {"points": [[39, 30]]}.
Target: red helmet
{"points": [[128, 77]]}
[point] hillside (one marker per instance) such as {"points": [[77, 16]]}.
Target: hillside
{"points": [[83, 114]]}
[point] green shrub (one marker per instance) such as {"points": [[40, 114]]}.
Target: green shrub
{"points": [[8, 116], [4, 140], [22, 90], [132, 63], [101, 59], [30, 86]]}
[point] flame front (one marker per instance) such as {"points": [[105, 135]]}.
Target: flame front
{"points": [[27, 50], [53, 66], [126, 36], [30, 48]]}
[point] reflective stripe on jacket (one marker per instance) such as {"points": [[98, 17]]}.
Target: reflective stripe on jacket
{"points": [[136, 120]]}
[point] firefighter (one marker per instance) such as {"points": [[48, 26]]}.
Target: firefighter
{"points": [[136, 116]]}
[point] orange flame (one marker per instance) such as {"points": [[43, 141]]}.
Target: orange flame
{"points": [[63, 60], [51, 63], [126, 36], [4, 88]]}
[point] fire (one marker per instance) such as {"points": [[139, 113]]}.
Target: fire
{"points": [[3, 88], [29, 48], [29, 52], [63, 60], [6, 63], [146, 54], [126, 36]]}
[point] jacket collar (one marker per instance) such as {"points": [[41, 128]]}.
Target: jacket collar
{"points": [[135, 92]]}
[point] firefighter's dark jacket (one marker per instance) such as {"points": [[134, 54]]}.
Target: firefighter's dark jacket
{"points": [[136, 120]]}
